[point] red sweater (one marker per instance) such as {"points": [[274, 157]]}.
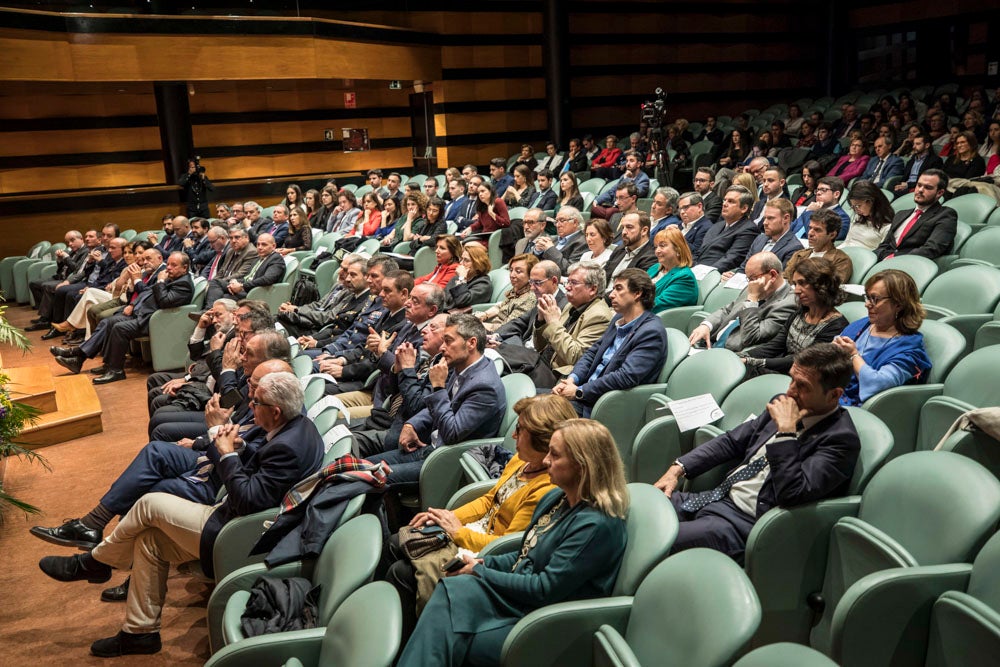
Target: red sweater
{"points": [[607, 157], [485, 222], [441, 274]]}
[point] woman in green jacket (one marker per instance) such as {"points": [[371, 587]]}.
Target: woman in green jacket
{"points": [[675, 282], [571, 551]]}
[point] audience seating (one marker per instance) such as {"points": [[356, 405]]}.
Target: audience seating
{"points": [[963, 297], [561, 635], [862, 260], [278, 293], [983, 248], [169, 331], [921, 269], [678, 316], [973, 209], [720, 297], [784, 654], [695, 608]]}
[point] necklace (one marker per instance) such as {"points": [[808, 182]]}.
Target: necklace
{"points": [[542, 526]]}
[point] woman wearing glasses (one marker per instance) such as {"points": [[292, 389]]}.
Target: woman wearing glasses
{"points": [[572, 550], [887, 350]]}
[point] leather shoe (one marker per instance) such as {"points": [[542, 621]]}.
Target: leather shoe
{"points": [[72, 364], [58, 351], [38, 327], [110, 376], [98, 370], [73, 533], [117, 593], [126, 643], [51, 333], [74, 568], [74, 338], [39, 320]]}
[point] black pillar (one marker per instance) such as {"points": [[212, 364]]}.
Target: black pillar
{"points": [[176, 138], [555, 55]]}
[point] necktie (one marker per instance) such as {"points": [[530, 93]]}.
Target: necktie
{"points": [[749, 471], [906, 230], [878, 171], [215, 265], [720, 342], [253, 271]]}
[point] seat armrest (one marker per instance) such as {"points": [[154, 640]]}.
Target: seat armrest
{"points": [[561, 635], [786, 559], [237, 537], [276, 649], [884, 618], [936, 417], [504, 544], [899, 408], [239, 580], [611, 649], [470, 492], [441, 475]]}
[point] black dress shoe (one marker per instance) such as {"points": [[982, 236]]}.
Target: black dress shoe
{"points": [[51, 333], [40, 326], [72, 364], [117, 593], [75, 568], [99, 370], [73, 533], [110, 376], [74, 338], [40, 320], [126, 643], [58, 351]]}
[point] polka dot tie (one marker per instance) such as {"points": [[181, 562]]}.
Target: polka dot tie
{"points": [[749, 471]]}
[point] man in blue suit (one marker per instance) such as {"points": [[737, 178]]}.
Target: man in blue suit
{"points": [[605, 205], [663, 211], [803, 448], [776, 235], [694, 220], [725, 244], [884, 165], [458, 203], [630, 353], [545, 198], [279, 226], [467, 401], [828, 191]]}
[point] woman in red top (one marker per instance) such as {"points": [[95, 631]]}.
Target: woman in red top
{"points": [[604, 164], [371, 215], [448, 250], [491, 212]]}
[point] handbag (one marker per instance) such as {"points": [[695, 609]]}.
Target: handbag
{"points": [[418, 542]]}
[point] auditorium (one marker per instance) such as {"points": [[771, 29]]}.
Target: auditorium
{"points": [[536, 333]]}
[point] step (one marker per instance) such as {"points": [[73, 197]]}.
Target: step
{"points": [[32, 385], [78, 414]]}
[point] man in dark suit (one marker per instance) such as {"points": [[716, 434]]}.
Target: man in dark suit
{"points": [[828, 191], [68, 261], [569, 244], [802, 449], [459, 202], [467, 401], [636, 337], [267, 270], [663, 211], [544, 279], [166, 286], [922, 159], [324, 320], [927, 230], [196, 245], [704, 185], [533, 225], [726, 243], [545, 197], [279, 225], [97, 274], [217, 243], [161, 528], [635, 251], [772, 186], [234, 265], [576, 160], [776, 236], [883, 165], [694, 221]]}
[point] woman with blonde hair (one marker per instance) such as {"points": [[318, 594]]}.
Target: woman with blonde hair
{"points": [[471, 284], [675, 282], [746, 179], [572, 550]]}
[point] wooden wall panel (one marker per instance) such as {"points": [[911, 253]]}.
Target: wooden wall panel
{"points": [[18, 100], [664, 23], [451, 23], [496, 121], [669, 53], [280, 166], [53, 142], [492, 55], [489, 90], [246, 134], [478, 154], [34, 179]]}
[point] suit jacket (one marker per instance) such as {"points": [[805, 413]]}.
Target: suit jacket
{"points": [[360, 361], [637, 361], [644, 259], [70, 264], [200, 253], [156, 295], [817, 464], [842, 264], [463, 295], [356, 335], [544, 199], [713, 205], [725, 247], [661, 224], [106, 271], [784, 248], [341, 320], [893, 167], [260, 483], [758, 324], [570, 254], [677, 288], [475, 411], [568, 345], [388, 382], [521, 329], [577, 164], [84, 269], [932, 161], [236, 264], [641, 183], [454, 208], [800, 227], [696, 233], [269, 273], [932, 236]]}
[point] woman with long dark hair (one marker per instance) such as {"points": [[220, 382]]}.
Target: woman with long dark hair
{"points": [[872, 216]]}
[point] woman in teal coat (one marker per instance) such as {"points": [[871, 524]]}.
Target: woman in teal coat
{"points": [[571, 551], [672, 275]]}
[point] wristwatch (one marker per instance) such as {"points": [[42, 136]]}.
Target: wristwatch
{"points": [[579, 394], [684, 471]]}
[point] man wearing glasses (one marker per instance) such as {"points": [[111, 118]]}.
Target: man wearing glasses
{"points": [[569, 245], [704, 181], [828, 191], [626, 202], [633, 175]]}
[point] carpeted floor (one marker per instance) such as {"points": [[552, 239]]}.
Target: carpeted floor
{"points": [[44, 622]]}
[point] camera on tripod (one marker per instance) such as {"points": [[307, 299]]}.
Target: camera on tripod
{"points": [[654, 112]]}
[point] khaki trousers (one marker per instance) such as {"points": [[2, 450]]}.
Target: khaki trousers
{"points": [[359, 403], [159, 530]]}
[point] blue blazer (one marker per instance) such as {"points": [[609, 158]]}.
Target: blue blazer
{"points": [[697, 232], [818, 464], [641, 183], [546, 200], [638, 361], [475, 412], [906, 352], [801, 225], [893, 167], [661, 225], [279, 234], [786, 246], [678, 288], [454, 208], [724, 248]]}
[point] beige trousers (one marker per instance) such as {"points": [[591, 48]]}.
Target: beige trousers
{"points": [[359, 403], [159, 530]]}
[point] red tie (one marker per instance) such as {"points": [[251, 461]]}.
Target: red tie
{"points": [[906, 230], [215, 265]]}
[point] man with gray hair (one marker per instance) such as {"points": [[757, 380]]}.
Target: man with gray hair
{"points": [[663, 211], [756, 315], [235, 264], [534, 224], [726, 243], [561, 336], [569, 244], [544, 281], [279, 226], [695, 221], [162, 528], [255, 223]]}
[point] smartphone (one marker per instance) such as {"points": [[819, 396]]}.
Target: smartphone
{"points": [[454, 565], [430, 530], [230, 399]]}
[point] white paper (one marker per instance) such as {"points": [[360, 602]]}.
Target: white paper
{"points": [[694, 412], [738, 281], [701, 270], [695, 350], [855, 289], [324, 403], [799, 210]]}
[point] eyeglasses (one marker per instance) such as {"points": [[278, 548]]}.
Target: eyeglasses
{"points": [[875, 299], [823, 188], [538, 283], [574, 283]]}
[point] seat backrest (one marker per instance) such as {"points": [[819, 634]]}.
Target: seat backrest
{"points": [[500, 279], [966, 290], [903, 203], [677, 351], [939, 506], [347, 562], [750, 398], [973, 379], [516, 386], [652, 528], [366, 629], [593, 185], [862, 259], [876, 445], [695, 608], [973, 208], [708, 284], [302, 365], [720, 297], [945, 345], [921, 269], [853, 310], [984, 246], [716, 372], [984, 584], [424, 261]]}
